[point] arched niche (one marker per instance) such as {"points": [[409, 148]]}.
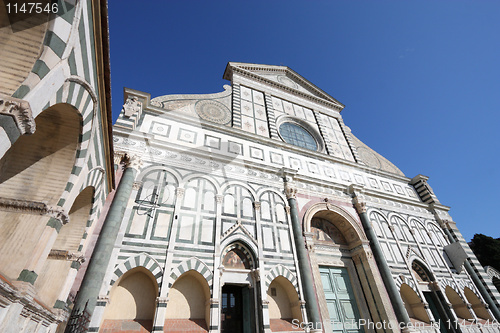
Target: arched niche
{"points": [[284, 305], [42, 162], [132, 300], [55, 270], [189, 299], [35, 169], [477, 306], [413, 304], [458, 304]]}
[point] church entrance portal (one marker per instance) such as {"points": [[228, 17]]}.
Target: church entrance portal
{"points": [[237, 313]]}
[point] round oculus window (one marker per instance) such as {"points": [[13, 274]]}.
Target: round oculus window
{"points": [[298, 136]]}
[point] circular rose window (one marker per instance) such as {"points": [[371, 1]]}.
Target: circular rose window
{"points": [[298, 136]]}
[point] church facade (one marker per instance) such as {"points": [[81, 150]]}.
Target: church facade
{"points": [[56, 164], [256, 209]]}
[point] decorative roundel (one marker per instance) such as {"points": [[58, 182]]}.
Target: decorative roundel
{"points": [[287, 82], [213, 111]]}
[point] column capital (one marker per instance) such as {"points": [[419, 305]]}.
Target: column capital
{"points": [[137, 185], [358, 198], [290, 191], [133, 161], [359, 204], [118, 156], [256, 205]]}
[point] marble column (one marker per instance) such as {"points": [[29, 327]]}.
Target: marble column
{"points": [[303, 259], [93, 279], [385, 272]]}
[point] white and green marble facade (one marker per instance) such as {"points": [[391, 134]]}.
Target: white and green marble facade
{"points": [[215, 172]]}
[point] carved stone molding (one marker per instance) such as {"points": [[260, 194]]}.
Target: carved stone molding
{"points": [[33, 207], [20, 110], [66, 255]]}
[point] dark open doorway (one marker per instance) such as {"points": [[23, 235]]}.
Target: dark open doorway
{"points": [[237, 312]]}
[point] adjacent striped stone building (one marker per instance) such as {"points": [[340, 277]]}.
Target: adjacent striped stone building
{"points": [[56, 164], [256, 209]]}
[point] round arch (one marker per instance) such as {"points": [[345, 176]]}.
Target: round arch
{"points": [[238, 183], [344, 221], [209, 179]]}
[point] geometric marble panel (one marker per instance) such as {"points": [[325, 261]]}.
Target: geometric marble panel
{"points": [[235, 148], [373, 182], [295, 163], [186, 136], [159, 128], [359, 179], [212, 142], [276, 158], [386, 186], [399, 189], [256, 153]]}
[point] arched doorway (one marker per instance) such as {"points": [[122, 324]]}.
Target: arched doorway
{"points": [[188, 307], [338, 255], [239, 306], [132, 303]]}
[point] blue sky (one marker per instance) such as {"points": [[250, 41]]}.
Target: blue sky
{"points": [[420, 79]]}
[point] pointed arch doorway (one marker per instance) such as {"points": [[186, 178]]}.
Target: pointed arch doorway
{"points": [[239, 290]]}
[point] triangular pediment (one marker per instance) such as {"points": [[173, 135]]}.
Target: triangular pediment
{"points": [[283, 77]]}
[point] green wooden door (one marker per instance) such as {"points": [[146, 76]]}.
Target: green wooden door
{"points": [[342, 307]]}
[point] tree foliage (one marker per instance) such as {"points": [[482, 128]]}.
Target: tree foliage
{"points": [[487, 250]]}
